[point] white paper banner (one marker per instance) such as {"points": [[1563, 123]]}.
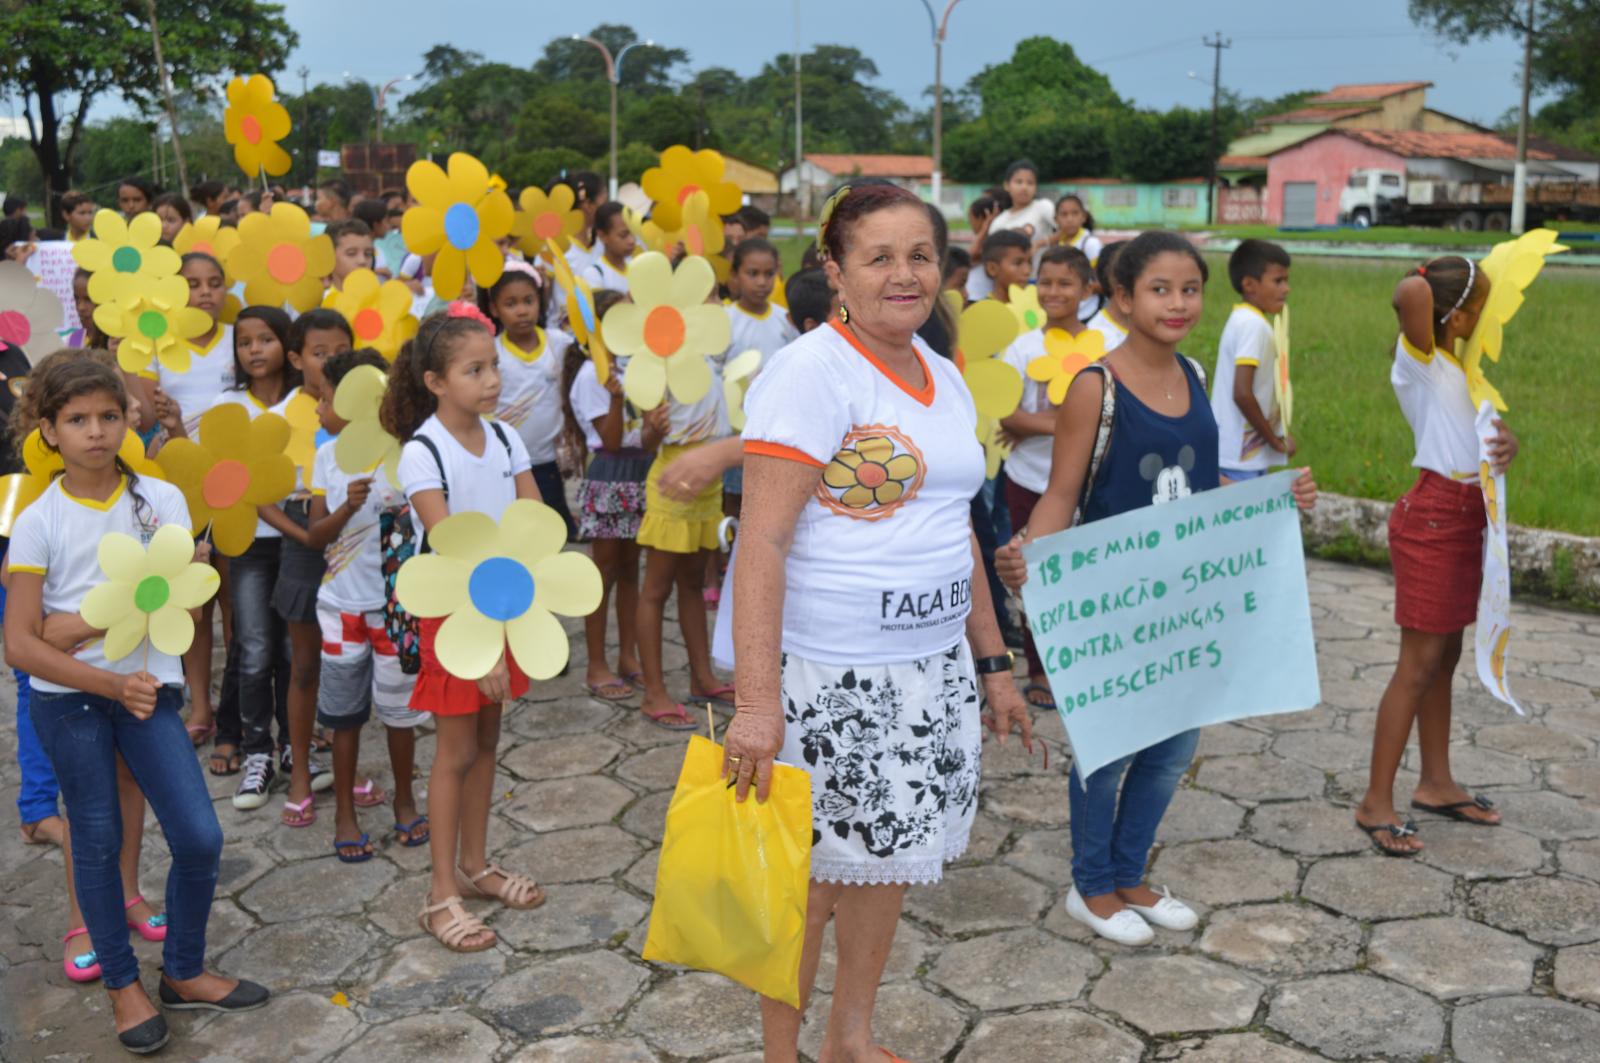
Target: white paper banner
{"points": [[1493, 635]]}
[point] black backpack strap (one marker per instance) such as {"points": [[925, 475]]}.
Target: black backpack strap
{"points": [[1102, 438], [505, 440], [444, 484]]}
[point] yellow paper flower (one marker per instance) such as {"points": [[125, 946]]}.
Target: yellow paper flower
{"points": [[1280, 380], [542, 218], [379, 312], [1063, 358], [649, 235], [702, 232], [234, 465], [1510, 267], [681, 174], [582, 318], [670, 320], [155, 322], [253, 123], [210, 237], [986, 328], [737, 375], [20, 490], [120, 254], [498, 586], [301, 413], [279, 260], [365, 443], [1025, 305], [460, 215], [30, 315], [148, 594], [872, 475]]}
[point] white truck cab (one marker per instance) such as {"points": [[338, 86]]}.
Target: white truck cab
{"points": [[1373, 197]]}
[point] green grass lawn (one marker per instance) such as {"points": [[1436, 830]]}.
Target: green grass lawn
{"points": [[1348, 424]]}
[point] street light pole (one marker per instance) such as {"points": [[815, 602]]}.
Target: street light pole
{"points": [[383, 94], [802, 191], [614, 78], [938, 26]]}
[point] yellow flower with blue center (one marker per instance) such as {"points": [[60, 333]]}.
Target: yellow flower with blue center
{"points": [[459, 215]]}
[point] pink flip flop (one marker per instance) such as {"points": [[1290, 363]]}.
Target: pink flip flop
{"points": [[300, 813], [369, 795], [152, 929]]}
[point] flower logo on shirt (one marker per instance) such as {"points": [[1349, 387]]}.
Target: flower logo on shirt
{"points": [[874, 473]]}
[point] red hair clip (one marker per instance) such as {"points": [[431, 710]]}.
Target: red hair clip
{"points": [[465, 309], [1422, 270]]}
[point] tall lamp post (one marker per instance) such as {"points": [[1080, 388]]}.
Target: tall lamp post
{"points": [[378, 96], [938, 26], [614, 76]]}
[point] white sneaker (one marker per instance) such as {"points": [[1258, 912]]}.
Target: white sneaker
{"points": [[1125, 928], [1168, 913]]}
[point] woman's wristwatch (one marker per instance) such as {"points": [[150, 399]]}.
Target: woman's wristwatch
{"points": [[992, 665]]}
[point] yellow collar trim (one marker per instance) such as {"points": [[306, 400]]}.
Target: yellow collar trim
{"points": [[1256, 310], [522, 355], [210, 345], [754, 317], [122, 485], [1416, 352], [1449, 357]]}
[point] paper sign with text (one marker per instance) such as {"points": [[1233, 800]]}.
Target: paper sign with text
{"points": [[1174, 616], [54, 265], [1492, 638]]}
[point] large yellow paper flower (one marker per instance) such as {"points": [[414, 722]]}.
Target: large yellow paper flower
{"points": [[581, 316], [253, 123], [148, 594], [155, 322], [542, 218], [497, 586], [364, 444], [120, 254], [20, 490], [1025, 307], [279, 260], [737, 375], [301, 413], [670, 320], [1510, 267], [986, 328], [209, 237], [379, 313], [460, 215], [235, 465], [1064, 358], [681, 174], [30, 314]]}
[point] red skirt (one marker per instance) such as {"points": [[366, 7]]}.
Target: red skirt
{"points": [[1436, 548], [439, 692]]}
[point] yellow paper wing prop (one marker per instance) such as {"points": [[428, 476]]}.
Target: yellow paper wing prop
{"points": [[301, 413], [148, 593], [1280, 380], [30, 314], [1024, 306], [378, 312], [1510, 267], [365, 443], [460, 213], [667, 330], [681, 174], [1064, 358], [987, 327], [279, 260], [121, 254], [234, 465], [253, 122], [737, 376], [500, 587]]}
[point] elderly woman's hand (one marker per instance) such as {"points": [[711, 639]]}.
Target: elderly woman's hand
{"points": [[1007, 709], [750, 745]]}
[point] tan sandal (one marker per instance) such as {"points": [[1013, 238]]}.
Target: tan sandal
{"points": [[516, 891], [460, 926]]}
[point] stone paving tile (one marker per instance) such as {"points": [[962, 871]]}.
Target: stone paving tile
{"points": [[1311, 946]]}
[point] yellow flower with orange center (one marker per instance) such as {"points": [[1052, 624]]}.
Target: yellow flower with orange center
{"points": [[868, 474], [459, 215], [670, 320], [1064, 358], [279, 260], [541, 217], [232, 466], [379, 312], [120, 254], [209, 237], [253, 123], [681, 174]]}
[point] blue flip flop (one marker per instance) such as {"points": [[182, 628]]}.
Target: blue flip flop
{"points": [[358, 845], [410, 829]]}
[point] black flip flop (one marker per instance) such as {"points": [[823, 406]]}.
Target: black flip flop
{"points": [[1402, 830], [1454, 810], [231, 762], [1050, 698]]}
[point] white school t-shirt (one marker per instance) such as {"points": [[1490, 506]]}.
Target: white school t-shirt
{"points": [[602, 275], [210, 374], [353, 581], [1433, 394], [591, 401], [1028, 465], [483, 483], [702, 420], [254, 407], [979, 284], [58, 537], [1246, 340], [1114, 333], [530, 391], [880, 567], [769, 333], [1040, 213]]}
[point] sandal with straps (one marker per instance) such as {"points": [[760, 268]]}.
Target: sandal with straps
{"points": [[516, 891], [457, 929]]}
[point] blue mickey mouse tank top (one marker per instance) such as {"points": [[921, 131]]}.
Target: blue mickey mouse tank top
{"points": [[1153, 458]]}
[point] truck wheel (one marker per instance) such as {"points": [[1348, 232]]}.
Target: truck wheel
{"points": [[1497, 222], [1469, 221], [1362, 218]]}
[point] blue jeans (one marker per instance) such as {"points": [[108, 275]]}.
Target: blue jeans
{"points": [[1111, 838], [36, 799], [82, 735], [255, 680]]}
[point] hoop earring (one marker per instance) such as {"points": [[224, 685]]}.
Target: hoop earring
{"points": [[844, 314]]}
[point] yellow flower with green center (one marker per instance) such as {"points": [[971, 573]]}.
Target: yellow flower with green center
{"points": [[120, 254], [1025, 306], [253, 123], [668, 329], [148, 593], [458, 217], [155, 323], [500, 586]]}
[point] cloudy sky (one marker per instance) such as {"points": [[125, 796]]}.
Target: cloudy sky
{"points": [[1146, 47]]}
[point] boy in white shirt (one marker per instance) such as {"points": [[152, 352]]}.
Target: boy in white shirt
{"points": [[1250, 432]]}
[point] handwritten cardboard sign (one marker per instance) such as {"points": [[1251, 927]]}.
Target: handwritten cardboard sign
{"points": [[1174, 616], [54, 265]]}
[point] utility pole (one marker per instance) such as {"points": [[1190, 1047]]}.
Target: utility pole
{"points": [[801, 189], [308, 155], [166, 88], [1519, 178], [1216, 44]]}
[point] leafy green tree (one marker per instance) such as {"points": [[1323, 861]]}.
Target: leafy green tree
{"points": [[81, 50], [464, 104], [540, 165], [1162, 145], [327, 116], [660, 121], [1042, 75], [647, 68]]}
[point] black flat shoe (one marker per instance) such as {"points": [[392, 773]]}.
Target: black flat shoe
{"points": [[246, 996], [149, 1036]]}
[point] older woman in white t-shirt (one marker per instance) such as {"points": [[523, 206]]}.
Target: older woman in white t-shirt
{"points": [[861, 604]]}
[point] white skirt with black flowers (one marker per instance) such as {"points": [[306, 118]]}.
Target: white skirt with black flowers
{"points": [[893, 753]]}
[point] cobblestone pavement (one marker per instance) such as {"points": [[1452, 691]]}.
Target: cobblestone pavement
{"points": [[1312, 945]]}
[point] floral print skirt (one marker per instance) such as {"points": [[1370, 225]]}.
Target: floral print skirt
{"points": [[611, 500], [893, 753]]}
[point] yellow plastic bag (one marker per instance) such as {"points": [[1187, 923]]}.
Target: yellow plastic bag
{"points": [[732, 884]]}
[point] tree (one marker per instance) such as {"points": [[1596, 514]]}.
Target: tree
{"points": [[1041, 75], [465, 104], [648, 67], [71, 52], [1566, 36], [1161, 145], [327, 116]]}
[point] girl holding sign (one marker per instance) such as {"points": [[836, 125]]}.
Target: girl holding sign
{"points": [[1436, 545], [1161, 445]]}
